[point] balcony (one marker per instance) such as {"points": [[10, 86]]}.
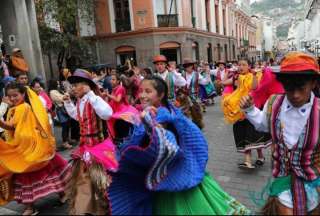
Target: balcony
{"points": [[193, 20], [165, 20], [122, 25]]}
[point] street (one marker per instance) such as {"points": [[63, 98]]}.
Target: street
{"points": [[222, 166]]}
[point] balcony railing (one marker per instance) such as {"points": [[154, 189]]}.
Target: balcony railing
{"points": [[193, 19], [165, 20], [122, 25]]}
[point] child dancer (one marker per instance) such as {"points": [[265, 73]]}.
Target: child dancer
{"points": [[245, 136], [293, 121], [163, 162], [94, 157], [29, 151], [118, 97]]}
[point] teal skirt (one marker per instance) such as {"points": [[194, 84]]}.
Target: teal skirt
{"points": [[207, 198]]}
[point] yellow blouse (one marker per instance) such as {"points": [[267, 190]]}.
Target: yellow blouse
{"points": [[231, 102], [31, 145]]}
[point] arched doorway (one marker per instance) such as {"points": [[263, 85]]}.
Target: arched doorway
{"points": [[226, 52], [171, 50], [209, 52], [125, 52], [219, 51], [195, 51]]}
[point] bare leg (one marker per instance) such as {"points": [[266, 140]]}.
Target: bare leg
{"points": [[260, 154], [29, 210]]}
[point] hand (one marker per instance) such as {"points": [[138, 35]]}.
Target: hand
{"points": [[86, 89], [66, 98], [6, 100], [246, 102], [151, 109]]}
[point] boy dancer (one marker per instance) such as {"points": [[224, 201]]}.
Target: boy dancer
{"points": [[93, 157], [293, 121]]}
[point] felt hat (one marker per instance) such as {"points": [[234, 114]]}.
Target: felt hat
{"points": [[299, 63], [81, 75], [159, 58], [221, 62], [14, 50], [188, 62]]}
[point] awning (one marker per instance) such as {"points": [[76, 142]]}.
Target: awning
{"points": [[169, 45], [123, 49]]}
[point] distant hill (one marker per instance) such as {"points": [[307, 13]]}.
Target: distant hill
{"points": [[283, 13]]}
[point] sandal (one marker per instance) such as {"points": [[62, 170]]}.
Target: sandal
{"points": [[30, 211], [67, 145], [260, 161], [246, 165]]}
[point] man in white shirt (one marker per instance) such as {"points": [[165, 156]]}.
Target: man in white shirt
{"points": [[293, 121], [91, 111], [172, 77]]}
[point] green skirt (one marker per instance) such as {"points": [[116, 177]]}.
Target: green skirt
{"points": [[207, 198]]}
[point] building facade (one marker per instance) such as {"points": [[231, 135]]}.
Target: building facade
{"points": [[312, 36], [208, 30], [19, 28]]}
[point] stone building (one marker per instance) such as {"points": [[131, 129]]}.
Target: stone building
{"points": [[209, 30], [19, 28]]}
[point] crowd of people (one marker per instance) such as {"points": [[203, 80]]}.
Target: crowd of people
{"points": [[137, 141]]}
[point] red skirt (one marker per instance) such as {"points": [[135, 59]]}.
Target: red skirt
{"points": [[28, 187]]}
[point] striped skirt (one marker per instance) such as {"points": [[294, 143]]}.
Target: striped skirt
{"points": [[29, 187]]}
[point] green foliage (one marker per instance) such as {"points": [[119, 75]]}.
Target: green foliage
{"points": [[282, 30], [65, 12], [271, 4]]}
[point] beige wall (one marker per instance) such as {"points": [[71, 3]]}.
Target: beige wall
{"points": [[143, 14]]}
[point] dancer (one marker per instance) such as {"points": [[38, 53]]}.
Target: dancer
{"points": [[293, 121], [172, 77], [245, 136], [118, 97], [207, 92], [194, 79], [30, 167], [94, 157], [163, 162]]}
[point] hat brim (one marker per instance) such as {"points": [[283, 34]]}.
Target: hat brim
{"points": [[306, 72], [77, 79], [188, 64], [154, 62]]}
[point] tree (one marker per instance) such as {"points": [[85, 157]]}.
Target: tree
{"points": [[64, 41]]}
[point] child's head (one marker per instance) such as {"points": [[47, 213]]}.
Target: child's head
{"points": [[36, 86], [298, 87], [243, 66], [81, 81], [115, 80], [16, 93], [22, 78], [153, 92], [299, 73]]}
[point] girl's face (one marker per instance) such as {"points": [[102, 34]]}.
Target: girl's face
{"points": [[114, 81], [243, 67], [15, 96], [149, 95], [37, 88]]}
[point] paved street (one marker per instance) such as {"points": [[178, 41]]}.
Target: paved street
{"points": [[222, 165]]}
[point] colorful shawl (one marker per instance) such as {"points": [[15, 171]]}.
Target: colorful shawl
{"points": [[302, 163], [231, 103], [157, 159]]}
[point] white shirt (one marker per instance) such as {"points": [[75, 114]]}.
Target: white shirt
{"points": [[178, 79], [222, 73], [202, 80], [293, 120], [3, 109], [102, 108]]}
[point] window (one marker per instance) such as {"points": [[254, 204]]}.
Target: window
{"points": [[167, 13], [122, 15], [166, 7]]}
